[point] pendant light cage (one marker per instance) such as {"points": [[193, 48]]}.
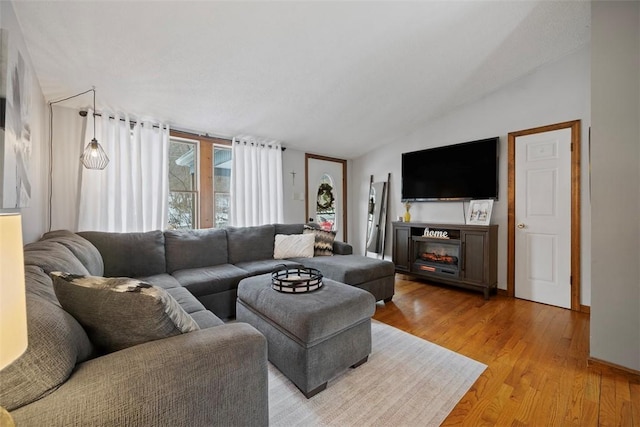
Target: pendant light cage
{"points": [[94, 156]]}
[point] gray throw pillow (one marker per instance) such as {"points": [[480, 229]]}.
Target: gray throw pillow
{"points": [[120, 312], [323, 240]]}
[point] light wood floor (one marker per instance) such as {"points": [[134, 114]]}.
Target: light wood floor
{"points": [[536, 355]]}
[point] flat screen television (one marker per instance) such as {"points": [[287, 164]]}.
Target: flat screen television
{"points": [[453, 172]]}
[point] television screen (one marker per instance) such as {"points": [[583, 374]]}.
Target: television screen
{"points": [[453, 172]]}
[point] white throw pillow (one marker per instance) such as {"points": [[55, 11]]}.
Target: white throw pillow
{"points": [[293, 246]]}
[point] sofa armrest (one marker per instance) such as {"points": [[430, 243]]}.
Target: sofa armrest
{"points": [[214, 376], [342, 248]]}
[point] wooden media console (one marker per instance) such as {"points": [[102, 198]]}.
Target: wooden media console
{"points": [[454, 254]]}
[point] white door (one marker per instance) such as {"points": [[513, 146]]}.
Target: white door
{"points": [[543, 217], [325, 191]]}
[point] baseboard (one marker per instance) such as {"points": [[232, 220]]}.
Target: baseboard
{"points": [[592, 361], [585, 309], [502, 292]]}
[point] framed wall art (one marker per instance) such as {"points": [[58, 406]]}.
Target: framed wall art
{"points": [[479, 212], [15, 124]]}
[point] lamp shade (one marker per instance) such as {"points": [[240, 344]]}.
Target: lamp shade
{"points": [[13, 309], [94, 156]]}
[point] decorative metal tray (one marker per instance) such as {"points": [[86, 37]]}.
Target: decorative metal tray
{"points": [[296, 280]]}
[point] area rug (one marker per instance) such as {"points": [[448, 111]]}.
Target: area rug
{"points": [[406, 382]]}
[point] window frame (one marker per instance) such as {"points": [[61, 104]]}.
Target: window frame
{"points": [[214, 192], [205, 173], [196, 184]]}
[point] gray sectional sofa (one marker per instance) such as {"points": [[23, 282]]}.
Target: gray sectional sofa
{"points": [[216, 375], [210, 263]]}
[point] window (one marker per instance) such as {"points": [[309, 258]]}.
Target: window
{"points": [[183, 184], [199, 181], [221, 185]]}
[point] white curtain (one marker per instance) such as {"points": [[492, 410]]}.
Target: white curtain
{"points": [[256, 182], [131, 193], [68, 132]]}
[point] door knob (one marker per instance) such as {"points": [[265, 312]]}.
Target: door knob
{"points": [[521, 226]]}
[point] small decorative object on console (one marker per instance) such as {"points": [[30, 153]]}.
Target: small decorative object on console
{"points": [[407, 214], [296, 280], [436, 234]]}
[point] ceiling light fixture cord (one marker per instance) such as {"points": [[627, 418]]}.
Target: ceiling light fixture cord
{"points": [[51, 145], [50, 195]]}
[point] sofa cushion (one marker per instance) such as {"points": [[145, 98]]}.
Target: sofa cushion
{"points": [[294, 245], [210, 280], [203, 317], [121, 312], [129, 254], [250, 243], [323, 240], [350, 269], [206, 319], [289, 228], [164, 281], [83, 249], [342, 248], [195, 248], [37, 282], [52, 256], [187, 301], [56, 344], [266, 265]]}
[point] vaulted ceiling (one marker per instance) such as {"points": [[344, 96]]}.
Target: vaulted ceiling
{"points": [[329, 77]]}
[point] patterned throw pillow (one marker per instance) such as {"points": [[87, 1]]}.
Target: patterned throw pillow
{"points": [[323, 240], [120, 312], [294, 245]]}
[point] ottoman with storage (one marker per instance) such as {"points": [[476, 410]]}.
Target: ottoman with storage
{"points": [[312, 337]]}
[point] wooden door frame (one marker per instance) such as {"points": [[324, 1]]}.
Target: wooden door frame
{"points": [[343, 162], [574, 125]]}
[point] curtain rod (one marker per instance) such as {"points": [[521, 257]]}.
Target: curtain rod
{"points": [[84, 113], [260, 144]]}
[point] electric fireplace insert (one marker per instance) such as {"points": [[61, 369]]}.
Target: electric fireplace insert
{"points": [[437, 256]]}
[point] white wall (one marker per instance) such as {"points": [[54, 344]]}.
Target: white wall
{"points": [[293, 161], [34, 218], [554, 93], [615, 232]]}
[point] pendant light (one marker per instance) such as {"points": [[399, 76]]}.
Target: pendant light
{"points": [[94, 156]]}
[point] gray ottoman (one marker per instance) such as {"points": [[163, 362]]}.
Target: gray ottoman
{"points": [[312, 337]]}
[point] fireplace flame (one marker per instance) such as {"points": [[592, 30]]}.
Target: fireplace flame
{"points": [[442, 259]]}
